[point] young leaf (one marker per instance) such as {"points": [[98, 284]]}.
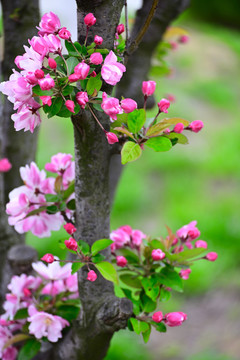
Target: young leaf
{"points": [[148, 304], [124, 131], [177, 138], [165, 295], [131, 281], [108, 271], [55, 107], [139, 326], [68, 90], [84, 246], [159, 143], [161, 327], [94, 83], [136, 120], [100, 245], [98, 258], [151, 288], [129, 255], [70, 48], [187, 254], [52, 209], [76, 266], [170, 278], [21, 314], [71, 63], [68, 312], [52, 198], [29, 349], [130, 152], [38, 91], [36, 211], [71, 205], [69, 191], [146, 334], [157, 244]]}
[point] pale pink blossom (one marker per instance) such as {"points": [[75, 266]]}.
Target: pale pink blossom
{"points": [[190, 230], [90, 19], [49, 24], [46, 83], [27, 117], [39, 45], [71, 283], [82, 98], [69, 176], [175, 318], [112, 70], [148, 87], [137, 237], [20, 283], [10, 353], [5, 165], [30, 61], [128, 105], [53, 271], [111, 106], [53, 42], [59, 163], [120, 238], [54, 288]]}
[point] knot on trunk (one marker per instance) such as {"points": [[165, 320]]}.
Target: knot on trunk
{"points": [[20, 258]]}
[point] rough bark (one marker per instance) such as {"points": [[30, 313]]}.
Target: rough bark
{"points": [[19, 20]]}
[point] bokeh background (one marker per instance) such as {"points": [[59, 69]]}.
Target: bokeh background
{"points": [[199, 181]]}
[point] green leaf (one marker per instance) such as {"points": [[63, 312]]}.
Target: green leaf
{"points": [[130, 152], [159, 143], [55, 107], [84, 246], [71, 205], [97, 258], [71, 63], [52, 198], [101, 51], [53, 209], [29, 349], [108, 271], [187, 254], [76, 266], [177, 138], [136, 120], [68, 90], [170, 278], [100, 245], [38, 91], [94, 84], [151, 287], [123, 130], [71, 50], [157, 244], [161, 327], [165, 295], [21, 314], [165, 123], [68, 312], [131, 280], [148, 304], [139, 326], [146, 334], [64, 112], [131, 257], [36, 211], [70, 190]]}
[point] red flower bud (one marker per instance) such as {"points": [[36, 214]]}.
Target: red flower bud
{"points": [[71, 244], [48, 258], [52, 63], [92, 276], [70, 228], [90, 19]]}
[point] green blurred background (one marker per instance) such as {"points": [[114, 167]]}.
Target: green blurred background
{"points": [[199, 181]]}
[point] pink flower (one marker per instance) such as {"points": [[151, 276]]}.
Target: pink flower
{"points": [[111, 106], [92, 276], [47, 83], [120, 238], [98, 40], [136, 238], [47, 100], [184, 273], [5, 165], [53, 42], [128, 105], [30, 61], [54, 288], [178, 128], [39, 45], [82, 98], [120, 29], [70, 228], [170, 97], [52, 63], [175, 318], [39, 74], [90, 19], [73, 78], [82, 70], [34, 178], [121, 261], [53, 271], [112, 70], [20, 284], [174, 45], [64, 33], [71, 283], [111, 138], [184, 39], [212, 256], [31, 78], [148, 87], [27, 117], [71, 244], [158, 254], [201, 244], [59, 163], [48, 258], [43, 324], [96, 58], [49, 24], [157, 317], [189, 230], [70, 105], [163, 105], [10, 353], [196, 126]]}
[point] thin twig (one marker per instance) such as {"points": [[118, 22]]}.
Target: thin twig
{"points": [[91, 110], [134, 43], [126, 23]]}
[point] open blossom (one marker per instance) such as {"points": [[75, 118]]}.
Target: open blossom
{"points": [[49, 24], [59, 163], [10, 353], [126, 236], [175, 318], [19, 285], [53, 271], [120, 238], [5, 165], [148, 87], [27, 117], [82, 98], [189, 231], [112, 70], [111, 106], [30, 61]]}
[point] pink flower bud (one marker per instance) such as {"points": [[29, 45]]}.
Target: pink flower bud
{"points": [[46, 83], [90, 19], [175, 318], [96, 58], [39, 74], [167, 131], [52, 63], [201, 244], [82, 70], [148, 87], [184, 273], [158, 254], [48, 258], [5, 165], [93, 74], [70, 228], [196, 126], [184, 39], [73, 78], [92, 276], [121, 261], [212, 256], [50, 23], [194, 233], [82, 98], [64, 33], [98, 40], [178, 128], [157, 316], [170, 97], [174, 45], [71, 244], [47, 100], [120, 29], [128, 105], [111, 138], [163, 105], [70, 105], [27, 292], [31, 78]]}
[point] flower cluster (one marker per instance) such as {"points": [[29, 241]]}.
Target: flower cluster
{"points": [[38, 205], [38, 306]]}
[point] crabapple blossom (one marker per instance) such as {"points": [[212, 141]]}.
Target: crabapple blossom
{"points": [[111, 138], [48, 258], [120, 29], [163, 105], [196, 126], [96, 58], [82, 70], [184, 39], [59, 163], [52, 63], [178, 128], [175, 319], [158, 254], [64, 33], [10, 353], [136, 238], [184, 273], [47, 100], [212, 256], [49, 24], [112, 70], [98, 40], [188, 231], [121, 261], [71, 244], [46, 83], [82, 98], [128, 105], [52, 271], [148, 87], [111, 106], [157, 317], [73, 78], [120, 238], [70, 228], [90, 19], [27, 117], [70, 105], [19, 284], [39, 74], [92, 276], [5, 165], [201, 244]]}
